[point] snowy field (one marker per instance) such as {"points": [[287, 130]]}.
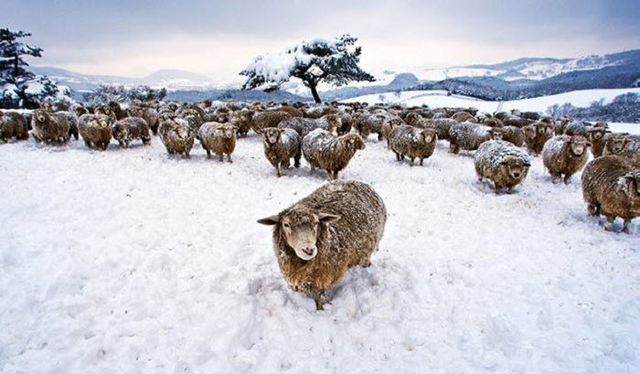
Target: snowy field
{"points": [[439, 98], [130, 261]]}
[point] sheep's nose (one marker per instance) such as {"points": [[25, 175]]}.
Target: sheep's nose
{"points": [[308, 250], [516, 174]]}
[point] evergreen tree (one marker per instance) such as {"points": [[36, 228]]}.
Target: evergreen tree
{"points": [[12, 65], [332, 61]]}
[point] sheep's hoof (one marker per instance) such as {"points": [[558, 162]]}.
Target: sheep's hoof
{"points": [[320, 300]]}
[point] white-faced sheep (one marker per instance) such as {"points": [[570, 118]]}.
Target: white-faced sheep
{"points": [[502, 163], [469, 136], [412, 142], [327, 151], [177, 136], [95, 130], [218, 138], [13, 125], [319, 238], [565, 155], [129, 129], [611, 187], [303, 126], [49, 127], [280, 146]]}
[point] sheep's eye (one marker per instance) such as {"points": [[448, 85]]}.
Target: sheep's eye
{"points": [[286, 225]]}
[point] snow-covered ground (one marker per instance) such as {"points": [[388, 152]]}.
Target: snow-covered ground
{"points": [[131, 261], [439, 98]]}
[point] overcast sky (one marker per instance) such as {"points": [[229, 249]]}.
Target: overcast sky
{"points": [[219, 38]]}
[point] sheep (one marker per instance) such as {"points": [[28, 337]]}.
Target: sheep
{"points": [[513, 135], [413, 118], [511, 120], [565, 155], [150, 115], [13, 125], [95, 130], [319, 238], [502, 163], [266, 119], [388, 125], [463, 117], [560, 125], [219, 138], [130, 128], [294, 112], [442, 125], [280, 145], [332, 153], [106, 110], [242, 120], [623, 145], [493, 122], [117, 110], [611, 187], [303, 126], [469, 136], [536, 134], [177, 136], [72, 119], [78, 109], [597, 137], [413, 142], [49, 127], [370, 123]]}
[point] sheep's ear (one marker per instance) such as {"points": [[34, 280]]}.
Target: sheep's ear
{"points": [[272, 220], [527, 164], [328, 217]]}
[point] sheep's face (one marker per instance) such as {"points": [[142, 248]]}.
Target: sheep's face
{"points": [[596, 134], [616, 144], [353, 141], [299, 228], [271, 135], [121, 132], [515, 167], [578, 145], [495, 134], [429, 135], [228, 132], [183, 132], [529, 131], [40, 116]]}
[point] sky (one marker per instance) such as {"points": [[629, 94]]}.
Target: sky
{"points": [[219, 38]]}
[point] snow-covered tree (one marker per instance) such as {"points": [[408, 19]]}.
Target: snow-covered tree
{"points": [[120, 93], [334, 61], [14, 78]]}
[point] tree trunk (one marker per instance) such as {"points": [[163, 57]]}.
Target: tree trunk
{"points": [[314, 92]]}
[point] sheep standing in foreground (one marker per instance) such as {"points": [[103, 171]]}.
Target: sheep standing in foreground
{"points": [[95, 130], [280, 146], [219, 138], [177, 136], [128, 129], [469, 136], [502, 163], [319, 238], [332, 153], [565, 155], [13, 125], [49, 127], [412, 142], [611, 187]]}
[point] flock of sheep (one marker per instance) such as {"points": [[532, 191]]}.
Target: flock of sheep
{"points": [[339, 225]]}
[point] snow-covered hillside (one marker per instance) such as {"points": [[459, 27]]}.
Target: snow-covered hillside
{"points": [[131, 261], [438, 98]]}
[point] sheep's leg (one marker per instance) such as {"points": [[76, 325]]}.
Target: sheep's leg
{"points": [[208, 152], [496, 187], [187, 155], [412, 158], [320, 300], [88, 144], [593, 209], [421, 161], [221, 156], [610, 221], [380, 137], [296, 161], [625, 226], [278, 173], [453, 148], [229, 158], [567, 178], [397, 156]]}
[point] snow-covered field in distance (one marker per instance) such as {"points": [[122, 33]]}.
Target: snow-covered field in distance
{"points": [[439, 98], [131, 261]]}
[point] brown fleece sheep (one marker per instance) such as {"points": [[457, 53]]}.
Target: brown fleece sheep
{"points": [[294, 112], [319, 238], [78, 109], [370, 123], [611, 187], [412, 142], [624, 145], [502, 163], [493, 122], [511, 120], [219, 138], [469, 136], [565, 155], [107, 110], [332, 153], [242, 120], [597, 137], [117, 110], [150, 115], [49, 127], [303, 126], [463, 117], [388, 125], [177, 136], [13, 125], [266, 119], [536, 134], [128, 129], [281, 145], [513, 135], [95, 130], [413, 118]]}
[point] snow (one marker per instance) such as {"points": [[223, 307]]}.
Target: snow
{"points": [[131, 261]]}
